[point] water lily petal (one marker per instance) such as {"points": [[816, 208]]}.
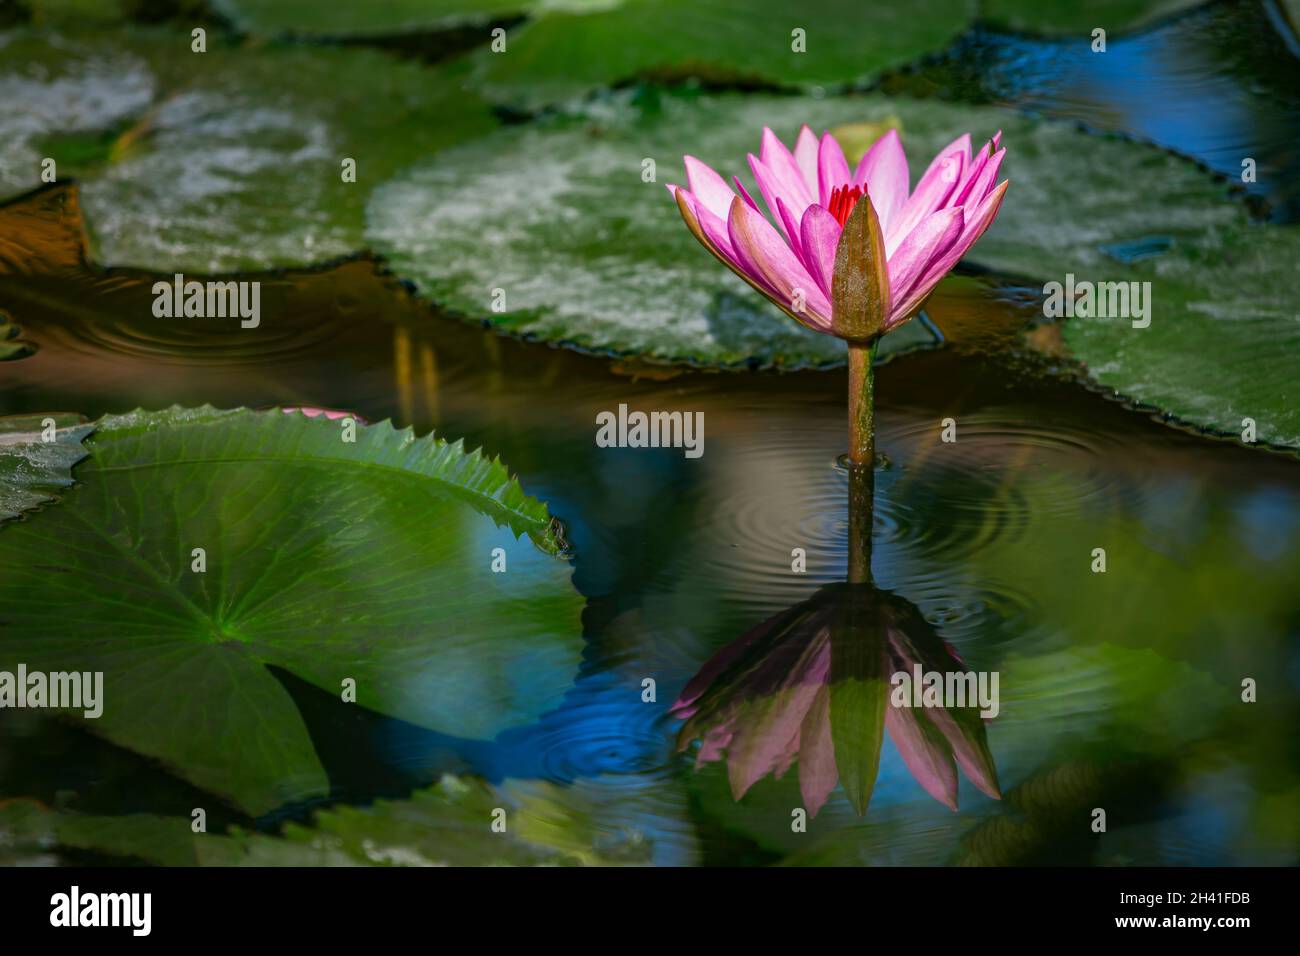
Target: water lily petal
{"points": [[744, 193], [817, 772], [932, 191], [791, 226], [981, 183], [696, 216], [964, 731], [793, 188], [805, 157], [708, 187], [973, 170], [714, 229], [832, 168], [883, 170], [767, 731], [819, 235], [936, 233], [759, 247], [973, 227], [925, 751]]}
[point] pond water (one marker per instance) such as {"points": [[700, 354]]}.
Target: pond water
{"points": [[1120, 690]]}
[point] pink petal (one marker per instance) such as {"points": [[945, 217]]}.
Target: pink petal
{"points": [[805, 156], [708, 187], [883, 170], [817, 771], [932, 237], [970, 751], [832, 168], [819, 235], [744, 193], [715, 229], [932, 191], [715, 237], [760, 247], [972, 229], [981, 183], [794, 188], [925, 752], [767, 731], [791, 226], [968, 179]]}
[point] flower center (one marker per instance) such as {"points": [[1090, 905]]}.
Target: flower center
{"points": [[843, 199]]}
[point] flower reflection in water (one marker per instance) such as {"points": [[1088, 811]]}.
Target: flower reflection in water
{"points": [[813, 684]]}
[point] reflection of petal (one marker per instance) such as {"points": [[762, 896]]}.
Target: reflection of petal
{"points": [[926, 753], [817, 772], [964, 729], [767, 733]]}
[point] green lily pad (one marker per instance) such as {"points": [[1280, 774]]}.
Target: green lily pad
{"points": [[310, 18], [1223, 343], [34, 471], [366, 561], [448, 824], [1061, 17], [226, 160], [562, 53]]}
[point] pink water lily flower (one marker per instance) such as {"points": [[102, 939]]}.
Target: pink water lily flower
{"points": [[852, 253], [810, 195]]}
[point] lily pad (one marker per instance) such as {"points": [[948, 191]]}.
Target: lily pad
{"points": [[448, 824], [34, 471], [221, 161], [562, 53], [365, 561], [311, 18], [1059, 17]]}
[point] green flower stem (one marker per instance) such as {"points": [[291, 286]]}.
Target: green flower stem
{"points": [[862, 405], [862, 457]]}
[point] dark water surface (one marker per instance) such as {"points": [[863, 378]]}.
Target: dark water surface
{"points": [[1119, 690]]}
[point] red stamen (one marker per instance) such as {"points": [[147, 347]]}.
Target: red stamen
{"points": [[843, 199]]}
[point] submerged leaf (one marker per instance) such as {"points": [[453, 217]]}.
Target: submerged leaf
{"points": [[448, 824], [34, 471]]}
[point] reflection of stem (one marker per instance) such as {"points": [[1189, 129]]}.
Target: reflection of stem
{"points": [[862, 486], [862, 412]]}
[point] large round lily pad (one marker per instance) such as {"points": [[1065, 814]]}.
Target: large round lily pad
{"points": [[227, 160], [334, 560]]}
